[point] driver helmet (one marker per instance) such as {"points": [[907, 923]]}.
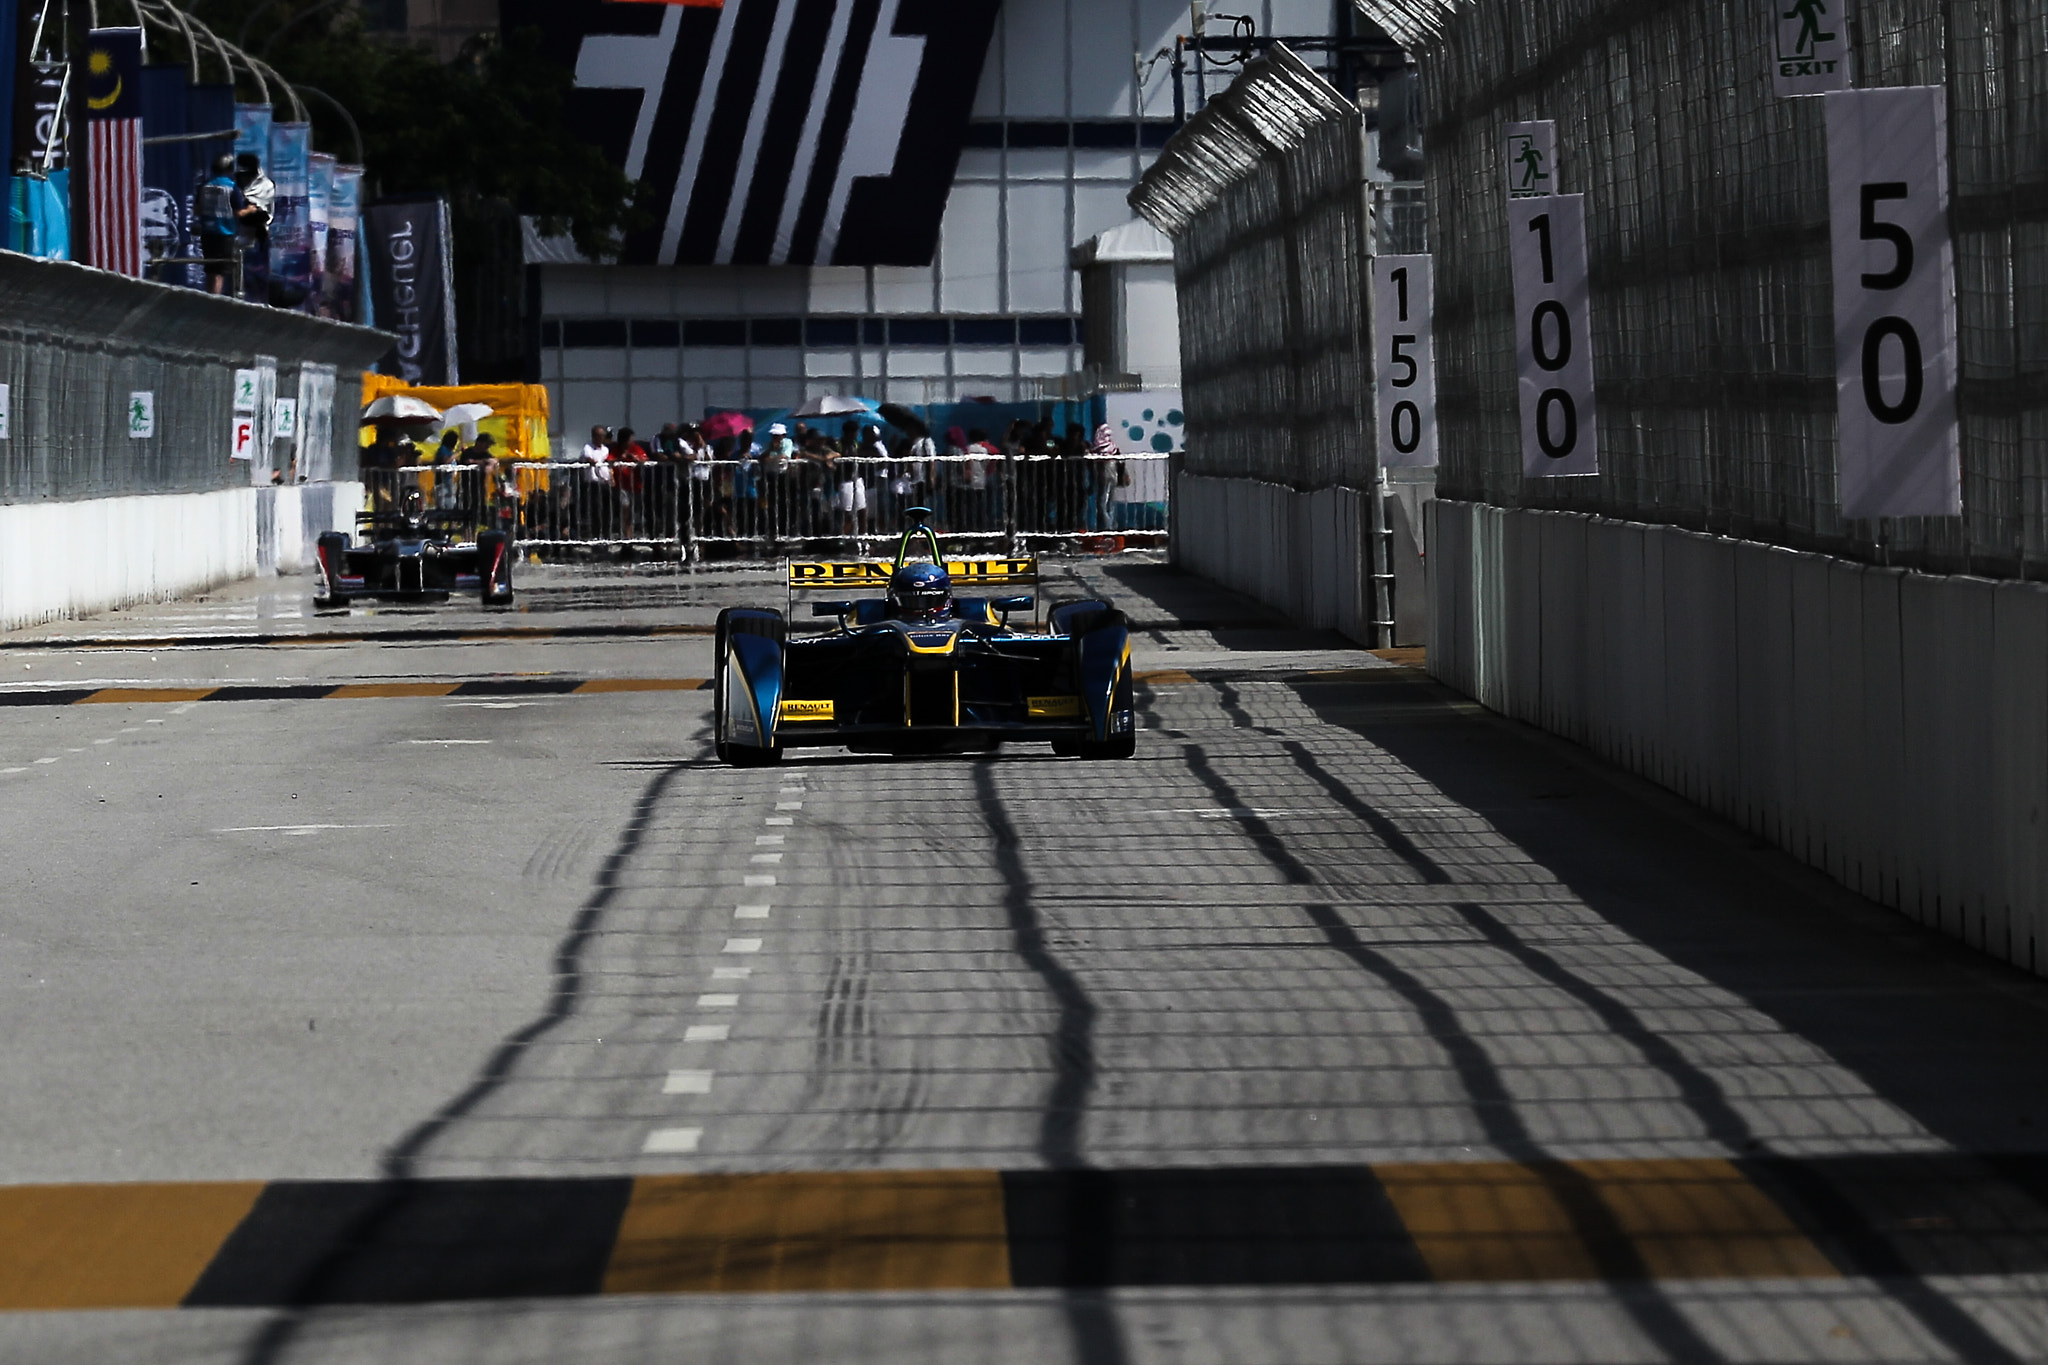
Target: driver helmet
{"points": [[920, 592]]}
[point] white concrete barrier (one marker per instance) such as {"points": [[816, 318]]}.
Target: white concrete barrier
{"points": [[1304, 554], [1888, 727], [70, 559]]}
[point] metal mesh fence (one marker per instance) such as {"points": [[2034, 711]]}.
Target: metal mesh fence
{"points": [[1707, 230], [76, 347], [1263, 194], [745, 509]]}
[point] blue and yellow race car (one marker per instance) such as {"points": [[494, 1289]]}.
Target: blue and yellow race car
{"points": [[921, 670]]}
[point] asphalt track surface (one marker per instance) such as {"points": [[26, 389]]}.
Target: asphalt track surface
{"points": [[413, 986]]}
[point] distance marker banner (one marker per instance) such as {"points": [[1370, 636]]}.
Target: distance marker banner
{"points": [[1554, 335], [1895, 303], [1404, 361]]}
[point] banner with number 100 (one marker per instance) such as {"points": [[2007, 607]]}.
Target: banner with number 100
{"points": [[1895, 303], [1554, 335]]}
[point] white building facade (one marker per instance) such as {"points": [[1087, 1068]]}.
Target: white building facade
{"points": [[1059, 131]]}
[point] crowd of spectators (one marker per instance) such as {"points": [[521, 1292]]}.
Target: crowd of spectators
{"points": [[784, 484]]}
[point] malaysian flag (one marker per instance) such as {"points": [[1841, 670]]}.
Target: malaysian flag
{"points": [[113, 149], [771, 132]]}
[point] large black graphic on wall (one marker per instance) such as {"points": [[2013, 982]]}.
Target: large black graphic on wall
{"points": [[813, 132]]}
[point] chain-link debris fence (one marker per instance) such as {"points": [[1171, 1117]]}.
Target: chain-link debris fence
{"points": [[1707, 228], [115, 387], [1263, 193]]}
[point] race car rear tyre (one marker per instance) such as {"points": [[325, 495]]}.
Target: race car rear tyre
{"points": [[331, 561], [494, 560], [770, 625]]}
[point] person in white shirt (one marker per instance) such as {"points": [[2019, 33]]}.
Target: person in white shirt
{"points": [[917, 482], [853, 483], [570, 497]]}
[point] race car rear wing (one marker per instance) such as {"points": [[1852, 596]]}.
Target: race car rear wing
{"points": [[967, 574]]}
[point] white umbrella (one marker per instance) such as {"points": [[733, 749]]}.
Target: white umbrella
{"points": [[402, 408], [833, 405], [466, 416]]}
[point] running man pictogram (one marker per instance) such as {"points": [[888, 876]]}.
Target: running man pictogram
{"points": [[1808, 13]]}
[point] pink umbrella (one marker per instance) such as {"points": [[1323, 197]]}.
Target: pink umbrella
{"points": [[723, 424]]}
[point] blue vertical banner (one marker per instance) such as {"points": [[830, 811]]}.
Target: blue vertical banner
{"points": [[319, 203], [208, 109], [166, 171], [252, 145], [346, 284], [291, 223]]}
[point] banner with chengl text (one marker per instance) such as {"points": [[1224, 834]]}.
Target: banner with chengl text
{"points": [[412, 285]]}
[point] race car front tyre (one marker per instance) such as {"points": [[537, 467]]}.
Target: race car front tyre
{"points": [[331, 559], [730, 623], [1122, 710], [494, 559]]}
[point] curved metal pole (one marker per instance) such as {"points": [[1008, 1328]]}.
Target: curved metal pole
{"points": [[299, 18], [354, 132], [242, 38], [146, 11], [298, 106], [220, 48]]}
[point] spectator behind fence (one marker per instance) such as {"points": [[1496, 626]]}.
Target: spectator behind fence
{"points": [[577, 489], [218, 210], [628, 461], [780, 484], [253, 226], [1110, 476]]}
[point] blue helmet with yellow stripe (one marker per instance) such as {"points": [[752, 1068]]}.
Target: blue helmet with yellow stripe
{"points": [[920, 592]]}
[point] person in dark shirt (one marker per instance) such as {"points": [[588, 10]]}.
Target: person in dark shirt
{"points": [[217, 212]]}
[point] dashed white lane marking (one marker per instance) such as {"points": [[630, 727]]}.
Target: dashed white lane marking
{"points": [[766, 858], [789, 805], [707, 1033], [687, 1083], [153, 722], [672, 1141], [750, 912], [760, 840], [718, 1002], [731, 973], [450, 741], [743, 945], [780, 820], [132, 730], [42, 761], [751, 879], [497, 705], [298, 831], [108, 740], [11, 771]]}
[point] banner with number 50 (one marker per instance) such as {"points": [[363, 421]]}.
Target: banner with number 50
{"points": [[1895, 303]]}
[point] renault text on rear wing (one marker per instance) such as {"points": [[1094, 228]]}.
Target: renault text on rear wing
{"points": [[966, 574]]}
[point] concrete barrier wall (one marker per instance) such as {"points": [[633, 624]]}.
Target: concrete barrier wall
{"points": [[1890, 728], [69, 559], [1304, 554]]}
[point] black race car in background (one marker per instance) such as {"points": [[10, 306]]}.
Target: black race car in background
{"points": [[922, 671], [411, 555]]}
